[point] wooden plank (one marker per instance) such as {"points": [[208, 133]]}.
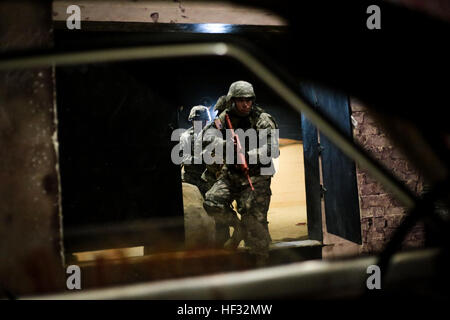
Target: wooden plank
{"points": [[103, 272], [312, 173], [167, 12], [339, 173]]}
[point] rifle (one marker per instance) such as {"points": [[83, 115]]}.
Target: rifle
{"points": [[243, 165]]}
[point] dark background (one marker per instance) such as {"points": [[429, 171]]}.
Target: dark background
{"points": [[397, 70]]}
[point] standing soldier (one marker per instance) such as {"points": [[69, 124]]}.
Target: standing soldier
{"points": [[232, 184], [212, 171], [193, 169], [210, 176]]}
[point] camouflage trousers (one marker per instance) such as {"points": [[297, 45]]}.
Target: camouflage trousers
{"points": [[251, 205]]}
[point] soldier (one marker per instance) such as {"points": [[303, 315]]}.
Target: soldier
{"points": [[212, 171], [210, 176], [221, 104], [232, 184], [193, 171]]}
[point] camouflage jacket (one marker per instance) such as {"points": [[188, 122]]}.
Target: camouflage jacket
{"points": [[259, 120], [187, 141]]}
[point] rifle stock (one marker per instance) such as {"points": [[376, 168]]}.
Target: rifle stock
{"points": [[243, 162]]}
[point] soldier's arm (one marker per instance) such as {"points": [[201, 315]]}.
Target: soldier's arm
{"points": [[185, 152], [266, 125], [211, 137]]}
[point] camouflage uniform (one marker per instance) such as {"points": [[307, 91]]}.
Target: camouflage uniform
{"points": [[192, 171], [221, 104], [210, 176], [233, 185]]}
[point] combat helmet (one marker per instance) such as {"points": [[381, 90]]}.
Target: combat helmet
{"points": [[240, 89], [199, 113]]}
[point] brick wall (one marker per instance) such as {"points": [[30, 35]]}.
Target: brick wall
{"points": [[380, 212]]}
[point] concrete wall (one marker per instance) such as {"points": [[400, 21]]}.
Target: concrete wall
{"points": [[30, 217]]}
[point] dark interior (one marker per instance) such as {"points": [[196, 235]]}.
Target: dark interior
{"points": [[115, 125]]}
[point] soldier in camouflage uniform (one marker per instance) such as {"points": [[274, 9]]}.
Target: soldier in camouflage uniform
{"points": [[192, 171], [212, 171], [210, 176], [232, 183]]}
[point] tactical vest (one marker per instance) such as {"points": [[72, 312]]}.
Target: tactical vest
{"points": [[245, 123], [193, 172]]}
